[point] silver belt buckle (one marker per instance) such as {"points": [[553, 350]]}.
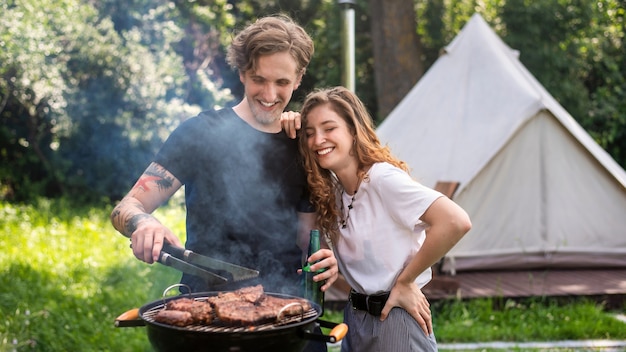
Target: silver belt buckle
{"points": [[351, 301]]}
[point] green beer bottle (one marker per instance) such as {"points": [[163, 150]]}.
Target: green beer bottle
{"points": [[312, 290]]}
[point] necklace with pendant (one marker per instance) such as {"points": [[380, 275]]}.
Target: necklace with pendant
{"points": [[344, 221], [360, 177]]}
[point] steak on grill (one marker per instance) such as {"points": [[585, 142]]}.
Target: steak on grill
{"points": [[242, 313], [251, 294], [251, 306], [180, 304], [276, 303], [243, 307], [201, 312], [174, 317]]}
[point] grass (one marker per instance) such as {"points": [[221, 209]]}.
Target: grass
{"points": [[533, 319], [66, 274]]}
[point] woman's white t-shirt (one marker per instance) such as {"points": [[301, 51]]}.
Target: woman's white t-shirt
{"points": [[383, 230]]}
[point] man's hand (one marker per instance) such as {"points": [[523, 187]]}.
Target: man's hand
{"points": [[291, 123], [132, 216], [148, 238]]}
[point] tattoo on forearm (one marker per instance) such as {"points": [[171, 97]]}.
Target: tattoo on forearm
{"points": [[115, 215], [117, 218], [131, 223], [154, 174]]}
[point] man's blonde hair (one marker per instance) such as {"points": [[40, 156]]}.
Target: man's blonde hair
{"points": [[270, 35]]}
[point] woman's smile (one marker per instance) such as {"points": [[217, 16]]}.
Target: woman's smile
{"points": [[325, 151]]}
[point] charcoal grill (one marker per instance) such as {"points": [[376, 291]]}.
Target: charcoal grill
{"points": [[285, 334]]}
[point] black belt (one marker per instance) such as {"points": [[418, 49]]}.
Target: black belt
{"points": [[372, 304]]}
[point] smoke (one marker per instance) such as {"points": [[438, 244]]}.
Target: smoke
{"points": [[242, 196]]}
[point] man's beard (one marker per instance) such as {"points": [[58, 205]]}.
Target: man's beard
{"points": [[264, 117]]}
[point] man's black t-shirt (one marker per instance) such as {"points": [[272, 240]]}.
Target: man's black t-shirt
{"points": [[242, 190]]}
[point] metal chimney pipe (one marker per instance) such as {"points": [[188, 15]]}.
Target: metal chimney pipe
{"points": [[347, 42]]}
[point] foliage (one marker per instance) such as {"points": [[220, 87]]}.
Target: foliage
{"points": [[32, 91], [573, 47], [85, 102], [579, 60], [90, 89]]}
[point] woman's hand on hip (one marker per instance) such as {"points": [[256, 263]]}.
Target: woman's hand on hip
{"points": [[410, 298]]}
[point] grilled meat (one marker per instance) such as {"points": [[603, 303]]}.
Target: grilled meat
{"points": [[289, 306], [201, 312], [251, 306], [179, 304], [174, 317], [242, 313], [243, 307], [250, 294]]}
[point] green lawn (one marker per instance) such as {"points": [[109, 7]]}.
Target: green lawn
{"points": [[66, 274]]}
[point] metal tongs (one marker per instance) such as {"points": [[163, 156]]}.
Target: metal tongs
{"points": [[213, 270]]}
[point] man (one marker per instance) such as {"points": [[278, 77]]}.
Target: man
{"points": [[245, 188]]}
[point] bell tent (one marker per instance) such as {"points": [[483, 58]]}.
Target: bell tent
{"points": [[540, 191]]}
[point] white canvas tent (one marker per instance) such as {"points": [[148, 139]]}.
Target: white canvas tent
{"points": [[540, 192]]}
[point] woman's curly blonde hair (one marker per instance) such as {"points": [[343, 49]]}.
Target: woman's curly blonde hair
{"points": [[367, 150]]}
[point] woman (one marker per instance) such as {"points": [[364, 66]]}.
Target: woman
{"points": [[387, 230]]}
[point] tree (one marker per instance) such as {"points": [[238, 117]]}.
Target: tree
{"points": [[90, 89], [88, 100], [32, 91], [573, 47], [579, 59], [398, 61]]}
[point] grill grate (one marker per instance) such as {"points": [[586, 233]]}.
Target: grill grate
{"points": [[218, 327]]}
